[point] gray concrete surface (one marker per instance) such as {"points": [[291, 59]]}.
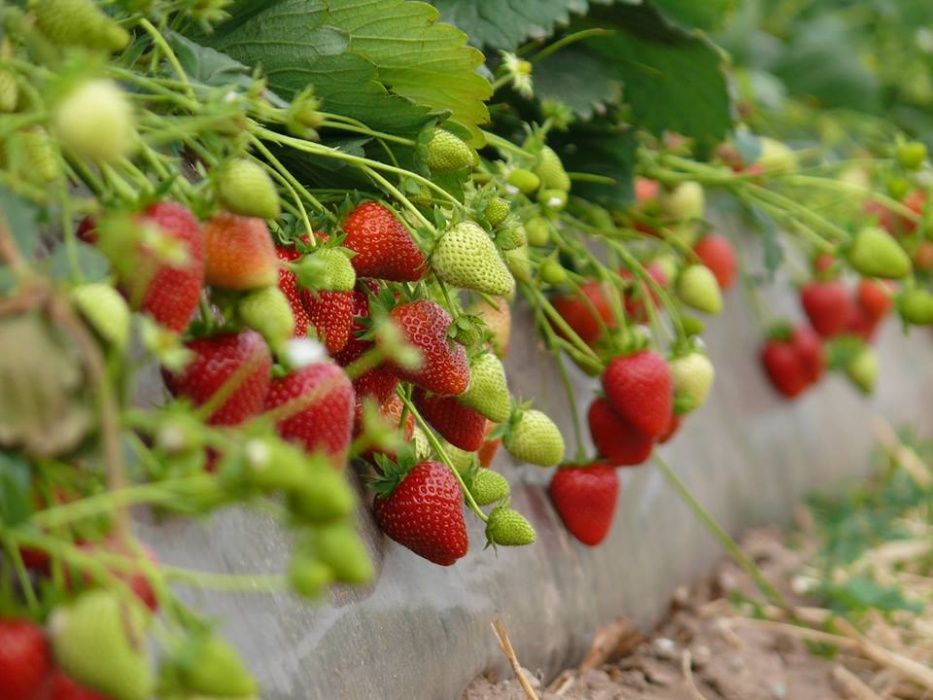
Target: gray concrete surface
{"points": [[422, 632]]}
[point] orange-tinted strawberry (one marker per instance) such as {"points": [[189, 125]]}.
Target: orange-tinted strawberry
{"points": [[616, 440], [828, 306], [25, 660], [314, 409], [498, 320], [640, 390], [459, 425], [583, 312], [331, 314], [922, 256], [288, 283], [444, 367], [243, 359], [585, 498], [487, 452], [390, 412], [239, 253], [716, 252], [384, 247], [424, 513], [875, 297]]}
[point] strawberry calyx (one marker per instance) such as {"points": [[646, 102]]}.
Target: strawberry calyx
{"points": [[391, 472], [780, 331]]}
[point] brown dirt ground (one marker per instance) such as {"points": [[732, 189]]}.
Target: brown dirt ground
{"points": [[706, 649]]}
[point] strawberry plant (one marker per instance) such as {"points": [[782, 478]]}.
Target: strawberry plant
{"points": [[231, 274]]}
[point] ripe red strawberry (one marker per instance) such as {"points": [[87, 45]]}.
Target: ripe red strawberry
{"points": [[239, 253], [444, 367], [640, 389], [784, 368], [62, 687], [808, 347], [875, 298], [828, 306], [425, 514], [137, 581], [318, 400], [461, 426], [583, 313], [585, 498], [25, 660], [616, 440], [288, 283], [716, 252], [379, 382], [635, 307], [861, 325], [384, 248], [331, 314], [672, 427], [241, 357]]}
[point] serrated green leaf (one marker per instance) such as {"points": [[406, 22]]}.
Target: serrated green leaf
{"points": [[702, 14], [205, 65], [579, 79], [389, 63], [15, 504], [504, 24]]}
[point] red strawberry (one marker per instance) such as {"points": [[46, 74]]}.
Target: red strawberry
{"points": [[64, 688], [379, 382], [823, 263], [461, 426], [87, 230], [640, 390], [384, 248], [716, 252], [319, 403], [784, 368], [137, 581], [861, 325], [672, 427], [615, 439], [923, 256], [25, 660], [585, 498], [331, 314], [242, 358], [808, 347], [444, 367], [288, 283], [425, 513], [239, 253], [828, 306], [874, 297], [635, 307], [391, 411], [583, 313]]}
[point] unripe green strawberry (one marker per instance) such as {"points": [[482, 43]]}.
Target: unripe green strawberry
{"points": [[326, 270], [42, 157], [98, 626], [685, 202], [274, 465], [466, 257], [552, 272], [461, 460], [874, 253], [447, 153], [553, 199], [488, 392], [214, 668], [538, 231], [509, 528], [692, 376], [324, 497], [911, 154], [422, 447], [524, 181], [244, 187], [775, 156], [518, 263], [697, 287], [916, 307], [309, 577], [106, 311], [95, 121], [863, 370], [9, 91], [898, 186], [534, 438], [511, 238], [496, 210], [551, 171], [78, 23], [268, 312], [488, 487], [340, 548]]}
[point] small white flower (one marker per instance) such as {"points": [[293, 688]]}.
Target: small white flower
{"points": [[301, 352], [231, 97], [511, 190], [554, 202], [257, 453]]}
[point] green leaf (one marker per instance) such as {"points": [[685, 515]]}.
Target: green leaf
{"points": [[93, 266], [504, 24], [389, 63], [21, 217], [15, 504], [600, 147], [702, 14], [205, 65], [770, 241], [579, 79], [861, 593], [672, 80]]}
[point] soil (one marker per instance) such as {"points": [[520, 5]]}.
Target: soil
{"points": [[705, 650]]}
